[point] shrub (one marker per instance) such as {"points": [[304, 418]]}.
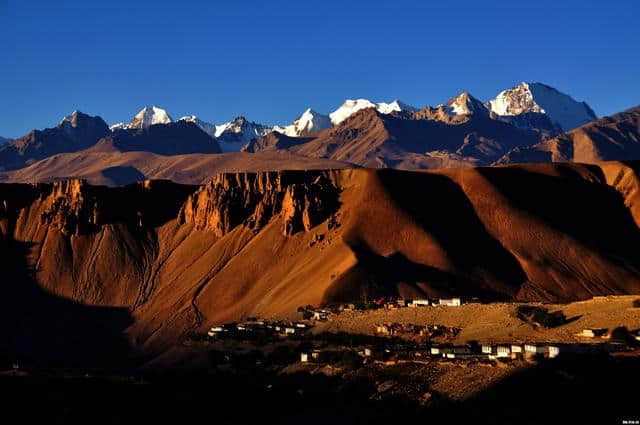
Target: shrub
{"points": [[636, 303], [622, 335], [307, 315]]}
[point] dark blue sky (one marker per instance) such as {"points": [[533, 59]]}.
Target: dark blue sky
{"points": [[269, 60]]}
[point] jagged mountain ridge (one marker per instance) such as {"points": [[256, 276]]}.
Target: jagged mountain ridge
{"points": [[430, 138]]}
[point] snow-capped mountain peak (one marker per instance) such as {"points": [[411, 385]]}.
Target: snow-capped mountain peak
{"points": [[309, 122], [71, 119], [464, 104], [150, 115], [118, 126], [395, 106], [234, 134], [351, 106], [526, 98], [208, 128]]}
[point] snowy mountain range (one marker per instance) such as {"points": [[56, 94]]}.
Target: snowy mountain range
{"points": [[351, 106], [527, 105]]}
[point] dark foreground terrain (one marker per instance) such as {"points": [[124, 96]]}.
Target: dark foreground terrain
{"points": [[595, 389]]}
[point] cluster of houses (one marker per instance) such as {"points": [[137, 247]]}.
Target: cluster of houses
{"points": [[401, 302], [493, 352], [484, 352], [426, 331], [277, 328]]}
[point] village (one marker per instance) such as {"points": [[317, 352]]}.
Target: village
{"points": [[394, 342]]}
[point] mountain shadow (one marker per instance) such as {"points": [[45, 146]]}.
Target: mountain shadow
{"points": [[42, 330], [443, 210], [376, 276]]}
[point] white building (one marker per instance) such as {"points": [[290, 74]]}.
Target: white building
{"points": [[487, 349], [503, 351], [304, 357], [215, 330], [535, 349], [419, 303], [319, 315], [435, 351], [450, 302], [516, 348], [553, 351]]}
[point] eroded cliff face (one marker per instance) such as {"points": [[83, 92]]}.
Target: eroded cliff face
{"points": [[73, 207], [302, 199]]}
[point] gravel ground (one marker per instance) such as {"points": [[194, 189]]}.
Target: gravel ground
{"points": [[497, 322]]}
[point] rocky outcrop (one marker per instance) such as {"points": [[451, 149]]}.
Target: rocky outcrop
{"points": [[303, 200], [74, 207]]}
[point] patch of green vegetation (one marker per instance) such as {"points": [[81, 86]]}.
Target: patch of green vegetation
{"points": [[636, 303], [541, 315]]}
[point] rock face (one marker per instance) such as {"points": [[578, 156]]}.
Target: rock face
{"points": [[73, 207], [303, 199]]}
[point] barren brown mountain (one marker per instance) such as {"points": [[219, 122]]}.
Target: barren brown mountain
{"points": [[156, 260], [611, 138]]}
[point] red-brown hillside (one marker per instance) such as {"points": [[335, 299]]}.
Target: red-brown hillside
{"points": [[179, 258]]}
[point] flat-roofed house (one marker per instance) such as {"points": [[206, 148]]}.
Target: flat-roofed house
{"points": [[535, 349], [319, 315], [452, 302], [592, 333], [503, 351], [553, 351]]}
